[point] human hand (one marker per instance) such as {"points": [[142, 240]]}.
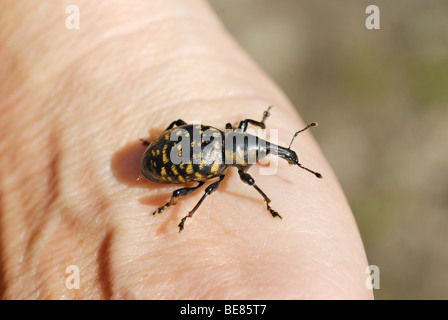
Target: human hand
{"points": [[75, 102]]}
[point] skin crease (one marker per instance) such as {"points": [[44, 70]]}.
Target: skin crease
{"points": [[74, 104]]}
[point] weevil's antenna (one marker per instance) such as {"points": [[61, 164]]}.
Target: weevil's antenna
{"points": [[317, 174], [313, 124]]}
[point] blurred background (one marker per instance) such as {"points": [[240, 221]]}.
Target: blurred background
{"points": [[381, 97]]}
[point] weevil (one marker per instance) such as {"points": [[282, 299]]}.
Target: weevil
{"points": [[186, 153]]}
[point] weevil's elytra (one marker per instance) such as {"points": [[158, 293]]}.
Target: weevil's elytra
{"points": [[203, 164], [187, 153]]}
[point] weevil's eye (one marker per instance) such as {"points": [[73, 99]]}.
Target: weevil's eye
{"points": [[293, 159]]}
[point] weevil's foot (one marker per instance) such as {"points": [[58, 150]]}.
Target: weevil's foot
{"points": [[273, 212], [181, 224], [160, 210]]}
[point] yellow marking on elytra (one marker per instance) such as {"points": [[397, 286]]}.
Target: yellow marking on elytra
{"points": [[174, 169], [164, 156], [158, 152], [178, 132], [216, 134], [167, 137], [179, 153], [169, 178], [153, 153], [181, 179], [189, 168], [187, 134], [181, 166], [198, 144], [163, 172], [198, 175], [215, 167], [201, 165], [192, 144]]}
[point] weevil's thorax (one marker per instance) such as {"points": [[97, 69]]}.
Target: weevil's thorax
{"points": [[243, 149]]}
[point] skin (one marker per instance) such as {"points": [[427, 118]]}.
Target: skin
{"points": [[73, 105]]}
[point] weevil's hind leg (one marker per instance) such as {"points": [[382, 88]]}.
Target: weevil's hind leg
{"points": [[210, 189], [176, 194], [145, 142], [247, 178], [244, 123], [178, 123]]}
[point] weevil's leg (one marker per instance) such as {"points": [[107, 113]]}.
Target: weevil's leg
{"points": [[176, 194], [145, 142], [244, 123], [266, 114], [247, 178], [210, 189], [179, 122]]}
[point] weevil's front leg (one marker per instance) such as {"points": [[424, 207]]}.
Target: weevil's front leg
{"points": [[247, 178], [176, 194], [210, 189]]}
